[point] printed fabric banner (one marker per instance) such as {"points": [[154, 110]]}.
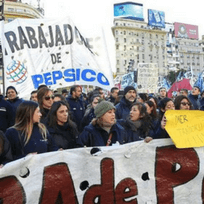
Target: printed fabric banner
{"points": [[136, 173], [53, 52]]}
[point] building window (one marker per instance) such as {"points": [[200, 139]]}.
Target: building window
{"points": [[19, 10], [117, 47], [11, 9], [118, 70], [124, 40]]}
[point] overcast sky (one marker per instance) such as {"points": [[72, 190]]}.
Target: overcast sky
{"points": [[91, 11], [86, 13]]}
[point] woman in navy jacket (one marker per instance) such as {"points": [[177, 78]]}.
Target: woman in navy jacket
{"points": [[62, 129], [164, 105], [137, 124], [28, 135], [103, 130]]}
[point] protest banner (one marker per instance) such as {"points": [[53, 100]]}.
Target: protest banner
{"points": [[53, 52], [186, 128], [128, 80], [136, 173], [147, 78]]}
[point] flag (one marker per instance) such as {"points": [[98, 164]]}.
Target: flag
{"points": [[165, 83], [199, 81]]}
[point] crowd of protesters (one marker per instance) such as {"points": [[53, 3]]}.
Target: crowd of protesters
{"points": [[52, 121]]}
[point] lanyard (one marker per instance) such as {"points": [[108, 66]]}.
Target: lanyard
{"points": [[109, 139]]}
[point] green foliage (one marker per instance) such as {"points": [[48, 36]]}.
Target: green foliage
{"points": [[173, 75]]}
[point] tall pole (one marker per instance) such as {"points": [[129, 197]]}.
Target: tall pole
{"points": [[1, 52]]}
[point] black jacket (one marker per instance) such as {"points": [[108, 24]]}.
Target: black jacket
{"points": [[64, 136], [123, 109]]}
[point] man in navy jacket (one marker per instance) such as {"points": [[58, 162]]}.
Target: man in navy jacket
{"points": [[123, 108], [76, 105]]}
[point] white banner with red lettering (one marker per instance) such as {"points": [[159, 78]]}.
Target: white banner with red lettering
{"points": [[138, 172]]}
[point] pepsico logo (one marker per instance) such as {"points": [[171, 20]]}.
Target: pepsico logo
{"points": [[16, 72]]}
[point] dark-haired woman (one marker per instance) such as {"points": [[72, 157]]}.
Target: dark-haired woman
{"points": [[182, 103], [62, 129], [45, 101], [142, 97], [164, 105], [154, 120], [28, 135], [137, 125]]}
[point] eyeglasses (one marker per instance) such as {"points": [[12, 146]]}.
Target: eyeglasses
{"points": [[184, 104], [49, 97]]}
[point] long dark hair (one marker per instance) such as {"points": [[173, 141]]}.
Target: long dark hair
{"points": [[153, 113], [24, 120], [52, 117], [145, 119], [178, 99], [162, 105]]}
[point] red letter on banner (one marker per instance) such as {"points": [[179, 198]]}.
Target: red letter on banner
{"points": [[57, 186], [127, 188], [104, 192], [167, 176], [11, 191]]}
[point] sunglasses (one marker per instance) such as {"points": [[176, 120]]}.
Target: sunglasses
{"points": [[184, 104], [49, 97]]}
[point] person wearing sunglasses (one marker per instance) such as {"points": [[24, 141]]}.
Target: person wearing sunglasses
{"points": [[45, 101], [182, 103]]}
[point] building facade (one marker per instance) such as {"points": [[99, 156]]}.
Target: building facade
{"points": [[135, 40], [14, 9]]}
